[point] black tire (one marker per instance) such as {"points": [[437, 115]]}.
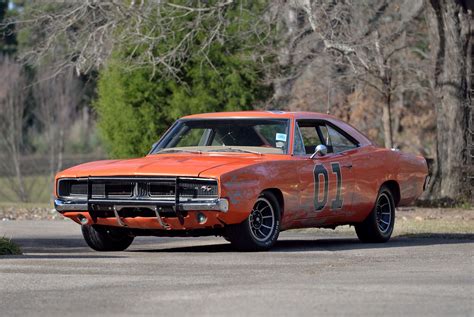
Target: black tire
{"points": [[106, 239], [378, 226], [259, 231]]}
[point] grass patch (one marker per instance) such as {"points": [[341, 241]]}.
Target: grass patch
{"points": [[445, 224], [18, 205], [39, 189], [8, 248], [434, 228]]}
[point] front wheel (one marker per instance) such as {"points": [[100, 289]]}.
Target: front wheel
{"points": [[106, 239], [260, 230], [378, 226]]}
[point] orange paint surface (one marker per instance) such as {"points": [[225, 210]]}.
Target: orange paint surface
{"points": [[243, 176]]}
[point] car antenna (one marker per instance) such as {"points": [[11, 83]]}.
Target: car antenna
{"points": [[329, 96]]}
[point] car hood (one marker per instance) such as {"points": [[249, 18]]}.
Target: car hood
{"points": [[164, 165]]}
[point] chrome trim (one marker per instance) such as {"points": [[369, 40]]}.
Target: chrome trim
{"points": [[294, 137], [321, 150], [160, 221], [220, 204], [70, 205], [427, 182], [117, 216]]}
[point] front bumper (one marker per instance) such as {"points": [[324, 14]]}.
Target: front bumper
{"points": [[220, 204]]}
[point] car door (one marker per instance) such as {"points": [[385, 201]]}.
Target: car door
{"points": [[326, 181]]}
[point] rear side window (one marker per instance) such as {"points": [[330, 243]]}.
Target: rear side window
{"points": [[339, 142]]}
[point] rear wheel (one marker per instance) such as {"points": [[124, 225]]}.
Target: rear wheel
{"points": [[260, 230], [378, 226], [106, 239]]}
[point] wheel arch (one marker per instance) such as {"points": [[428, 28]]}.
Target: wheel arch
{"points": [[279, 196], [394, 188]]}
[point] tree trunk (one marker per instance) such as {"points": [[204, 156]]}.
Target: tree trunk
{"points": [[387, 121], [450, 37]]}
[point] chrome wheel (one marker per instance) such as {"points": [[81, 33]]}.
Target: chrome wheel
{"points": [[378, 226], [383, 213], [262, 220]]}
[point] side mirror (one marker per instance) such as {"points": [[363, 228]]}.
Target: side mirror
{"points": [[320, 150]]}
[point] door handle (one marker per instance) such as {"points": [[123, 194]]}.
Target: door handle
{"points": [[349, 166]]}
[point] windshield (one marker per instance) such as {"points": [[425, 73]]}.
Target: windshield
{"points": [[227, 135]]}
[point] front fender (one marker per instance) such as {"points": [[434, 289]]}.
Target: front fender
{"points": [[242, 189], [242, 186]]}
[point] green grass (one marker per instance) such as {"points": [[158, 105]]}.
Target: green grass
{"points": [[39, 189], [8, 248], [445, 227], [20, 205], [438, 227]]}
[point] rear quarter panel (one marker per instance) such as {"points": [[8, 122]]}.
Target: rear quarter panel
{"points": [[411, 177], [372, 167]]}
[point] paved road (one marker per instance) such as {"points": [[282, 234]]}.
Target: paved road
{"points": [[306, 274]]}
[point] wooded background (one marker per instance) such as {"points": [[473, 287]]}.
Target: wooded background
{"points": [[82, 80]]}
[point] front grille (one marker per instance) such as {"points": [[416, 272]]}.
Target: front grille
{"points": [[113, 189], [143, 188], [162, 189]]}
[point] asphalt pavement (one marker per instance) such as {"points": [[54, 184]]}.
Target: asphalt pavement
{"points": [[306, 274]]}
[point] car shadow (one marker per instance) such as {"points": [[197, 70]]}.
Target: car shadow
{"points": [[404, 241], [329, 244], [43, 256], [51, 245], [72, 247], [61, 248]]}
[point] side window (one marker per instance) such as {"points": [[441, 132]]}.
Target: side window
{"points": [[338, 142], [310, 136], [298, 144]]}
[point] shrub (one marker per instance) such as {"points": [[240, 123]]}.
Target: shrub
{"points": [[136, 106], [8, 248]]}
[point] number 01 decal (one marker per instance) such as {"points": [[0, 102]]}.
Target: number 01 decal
{"points": [[319, 203]]}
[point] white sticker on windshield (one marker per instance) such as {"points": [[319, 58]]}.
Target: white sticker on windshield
{"points": [[280, 137]]}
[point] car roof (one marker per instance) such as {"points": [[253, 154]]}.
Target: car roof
{"points": [[277, 114], [262, 114]]}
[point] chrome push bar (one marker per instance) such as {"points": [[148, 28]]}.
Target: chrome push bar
{"points": [[221, 205]]}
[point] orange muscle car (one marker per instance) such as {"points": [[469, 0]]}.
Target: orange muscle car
{"points": [[245, 176]]}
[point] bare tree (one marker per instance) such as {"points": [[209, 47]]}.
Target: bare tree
{"points": [[57, 99], [85, 33], [451, 34], [12, 120], [352, 37]]}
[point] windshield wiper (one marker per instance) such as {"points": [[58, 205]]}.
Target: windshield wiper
{"points": [[171, 150], [236, 150]]}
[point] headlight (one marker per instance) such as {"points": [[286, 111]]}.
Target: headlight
{"points": [[198, 188], [72, 187]]}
